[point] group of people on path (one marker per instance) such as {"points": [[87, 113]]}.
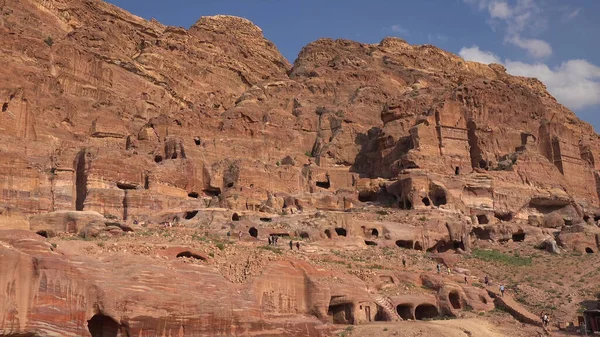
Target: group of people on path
{"points": [[292, 245], [273, 240]]}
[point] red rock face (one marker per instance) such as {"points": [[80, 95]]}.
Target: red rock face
{"points": [[122, 118]]}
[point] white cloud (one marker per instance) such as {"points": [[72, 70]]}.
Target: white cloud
{"points": [[477, 55], [499, 10], [399, 29], [535, 48], [524, 16], [575, 83]]}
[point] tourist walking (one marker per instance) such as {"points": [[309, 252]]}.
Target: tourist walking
{"points": [[502, 290], [439, 268], [291, 245], [486, 280], [403, 262], [298, 245]]}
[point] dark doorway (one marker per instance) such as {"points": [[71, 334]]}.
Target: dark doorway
{"points": [[375, 232], [482, 219], [304, 235], [341, 231], [324, 184], [190, 215], [368, 313], [158, 158], [103, 326], [426, 311], [418, 246], [405, 311], [328, 233], [457, 171], [190, 255], [194, 195], [341, 314], [589, 250], [43, 233], [80, 181], [381, 315], [518, 236], [504, 216], [266, 219], [438, 197], [253, 232], [235, 217], [426, 201], [454, 299], [408, 244], [481, 233], [370, 243]]}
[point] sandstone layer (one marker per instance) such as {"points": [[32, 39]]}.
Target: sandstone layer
{"points": [[109, 121]]}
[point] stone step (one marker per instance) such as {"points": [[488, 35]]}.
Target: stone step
{"points": [[514, 308], [387, 306]]}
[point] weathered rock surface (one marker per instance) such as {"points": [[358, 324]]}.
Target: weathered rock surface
{"points": [[107, 119]]}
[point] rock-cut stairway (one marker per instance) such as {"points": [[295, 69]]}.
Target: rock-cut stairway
{"points": [[387, 307]]}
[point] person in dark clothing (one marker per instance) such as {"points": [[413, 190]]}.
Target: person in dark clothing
{"points": [[269, 238], [486, 280], [404, 262], [298, 245], [291, 245]]}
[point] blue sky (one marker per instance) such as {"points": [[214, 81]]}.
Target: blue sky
{"points": [[554, 40]]}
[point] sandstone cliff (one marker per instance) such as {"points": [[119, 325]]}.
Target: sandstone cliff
{"points": [[108, 118]]}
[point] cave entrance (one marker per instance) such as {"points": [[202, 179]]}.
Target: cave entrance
{"points": [[80, 181], [481, 233], [457, 171], [426, 201], [381, 315], [482, 219], [418, 246], [190, 214], [454, 299], [375, 232], [194, 195], [253, 232], [341, 313], [304, 235], [158, 158], [408, 244], [42, 233], [103, 326], [504, 216], [370, 243], [341, 231], [589, 250], [426, 311], [328, 233], [518, 236], [324, 184], [235, 217], [405, 311], [367, 196], [266, 219], [438, 197], [189, 254]]}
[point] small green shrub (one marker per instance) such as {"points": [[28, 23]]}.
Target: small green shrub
{"points": [[54, 245], [49, 41], [220, 245]]}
